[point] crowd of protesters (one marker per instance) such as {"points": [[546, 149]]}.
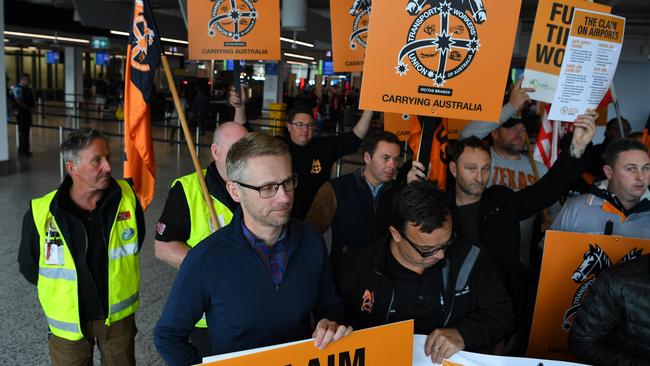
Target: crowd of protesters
{"points": [[463, 263]]}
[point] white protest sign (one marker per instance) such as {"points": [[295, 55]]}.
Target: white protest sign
{"points": [[592, 53]]}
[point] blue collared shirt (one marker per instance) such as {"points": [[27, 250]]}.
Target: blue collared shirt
{"points": [[374, 190], [274, 256]]}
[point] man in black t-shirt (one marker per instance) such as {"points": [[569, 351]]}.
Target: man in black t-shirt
{"points": [[185, 220], [312, 158], [174, 228]]}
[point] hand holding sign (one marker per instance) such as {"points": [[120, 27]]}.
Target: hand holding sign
{"points": [[443, 343], [519, 96], [329, 331], [583, 132], [235, 99], [416, 172]]}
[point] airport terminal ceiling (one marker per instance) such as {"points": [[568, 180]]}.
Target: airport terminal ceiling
{"points": [[97, 17]]}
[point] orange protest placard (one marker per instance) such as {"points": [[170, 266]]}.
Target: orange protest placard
{"points": [[390, 344], [233, 29], [548, 43], [399, 124], [443, 58], [350, 20], [570, 265], [454, 126]]}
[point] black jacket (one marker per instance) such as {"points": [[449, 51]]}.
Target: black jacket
{"points": [[92, 289], [500, 211], [478, 307], [612, 326], [359, 218]]}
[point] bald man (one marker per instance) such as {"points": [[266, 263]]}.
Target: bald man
{"points": [[185, 220]]}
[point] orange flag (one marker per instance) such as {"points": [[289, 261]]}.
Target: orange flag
{"points": [[143, 57], [437, 159]]}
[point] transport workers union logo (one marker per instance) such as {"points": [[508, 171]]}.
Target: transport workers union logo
{"points": [[360, 10], [442, 41], [232, 18]]}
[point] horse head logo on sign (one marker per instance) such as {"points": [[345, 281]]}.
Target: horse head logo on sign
{"points": [[360, 10], [445, 28], [594, 261], [232, 18]]}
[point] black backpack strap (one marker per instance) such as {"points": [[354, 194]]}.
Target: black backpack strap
{"points": [[466, 268]]}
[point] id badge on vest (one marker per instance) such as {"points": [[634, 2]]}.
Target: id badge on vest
{"points": [[53, 246]]}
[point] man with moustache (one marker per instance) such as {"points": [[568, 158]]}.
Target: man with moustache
{"points": [[80, 246], [619, 205], [355, 205], [260, 279]]}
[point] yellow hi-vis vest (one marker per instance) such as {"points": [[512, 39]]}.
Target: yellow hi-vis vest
{"points": [[57, 274], [200, 223]]}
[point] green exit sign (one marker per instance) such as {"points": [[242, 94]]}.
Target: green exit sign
{"points": [[100, 43]]}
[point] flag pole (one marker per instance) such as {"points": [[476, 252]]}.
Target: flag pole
{"points": [[189, 141], [429, 125], [617, 109]]}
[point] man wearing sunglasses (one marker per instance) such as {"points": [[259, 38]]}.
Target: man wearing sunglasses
{"points": [[312, 158], [423, 271], [260, 279]]}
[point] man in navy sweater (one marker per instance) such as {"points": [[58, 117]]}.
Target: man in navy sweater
{"points": [[260, 279]]}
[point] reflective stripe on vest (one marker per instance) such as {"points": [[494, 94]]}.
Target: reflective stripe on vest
{"points": [[116, 308], [123, 251], [68, 327], [200, 223], [57, 275], [201, 226]]}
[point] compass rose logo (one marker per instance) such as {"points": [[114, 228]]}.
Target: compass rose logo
{"points": [[360, 10], [442, 41], [232, 18]]}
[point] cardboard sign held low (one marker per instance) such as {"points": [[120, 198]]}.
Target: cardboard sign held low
{"points": [[390, 344]]}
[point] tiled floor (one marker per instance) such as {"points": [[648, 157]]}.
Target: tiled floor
{"points": [[23, 339]]}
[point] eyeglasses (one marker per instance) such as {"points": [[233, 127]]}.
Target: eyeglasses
{"points": [[269, 190], [301, 125], [428, 252]]}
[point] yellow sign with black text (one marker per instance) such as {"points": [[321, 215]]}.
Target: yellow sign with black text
{"points": [[443, 58], [350, 20], [548, 44], [233, 29]]}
